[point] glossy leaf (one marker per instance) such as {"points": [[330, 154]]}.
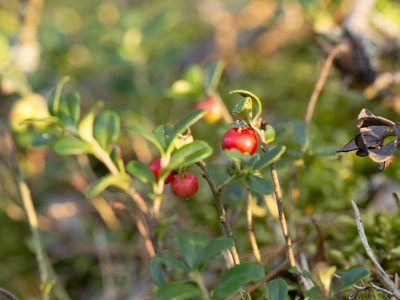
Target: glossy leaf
{"points": [[187, 155], [177, 291], [233, 279], [106, 128], [120, 181], [162, 133], [69, 108], [141, 172], [147, 134], [156, 270], [191, 245], [43, 139], [172, 262], [300, 135], [54, 98], [352, 276], [277, 289], [85, 126], [72, 146], [259, 185], [116, 157], [270, 157], [183, 125], [235, 155], [214, 248]]}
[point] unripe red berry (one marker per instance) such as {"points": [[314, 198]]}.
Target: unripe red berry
{"points": [[184, 187], [155, 167], [244, 141], [213, 109]]}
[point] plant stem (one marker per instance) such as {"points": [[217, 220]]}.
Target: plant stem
{"points": [[8, 294], [25, 194], [386, 279], [199, 280], [279, 202], [250, 232], [321, 81], [221, 210]]}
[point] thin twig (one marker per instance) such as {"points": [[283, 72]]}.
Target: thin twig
{"points": [[221, 210], [25, 194], [386, 279], [321, 80], [250, 232], [279, 202], [8, 294], [369, 286]]}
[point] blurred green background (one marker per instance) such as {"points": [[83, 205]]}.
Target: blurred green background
{"points": [[130, 54]]}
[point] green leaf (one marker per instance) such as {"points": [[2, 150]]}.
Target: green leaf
{"points": [[43, 139], [172, 262], [183, 125], [148, 135], [212, 75], [277, 289], [106, 128], [156, 270], [120, 181], [141, 171], [85, 127], [162, 133], [214, 248], [254, 159], [191, 245], [69, 108], [233, 279], [244, 110], [116, 157], [187, 155], [253, 97], [300, 135], [177, 291], [315, 294], [270, 157], [54, 98], [352, 276], [71, 146], [259, 185], [235, 155]]}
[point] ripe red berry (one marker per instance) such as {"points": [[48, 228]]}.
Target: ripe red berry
{"points": [[155, 167], [213, 109], [244, 141], [184, 187]]}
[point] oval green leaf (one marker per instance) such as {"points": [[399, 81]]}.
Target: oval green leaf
{"points": [[72, 146], [233, 279], [191, 245], [352, 276], [183, 125], [106, 127], [156, 270], [177, 291], [120, 181], [147, 134], [54, 98], [300, 135], [187, 155], [214, 248], [69, 108], [270, 157], [212, 75], [259, 185], [245, 93], [141, 172], [277, 289]]}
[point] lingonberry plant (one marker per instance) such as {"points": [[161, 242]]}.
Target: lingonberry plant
{"points": [[251, 156]]}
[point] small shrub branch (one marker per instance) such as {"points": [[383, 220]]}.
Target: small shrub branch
{"points": [[250, 232]]}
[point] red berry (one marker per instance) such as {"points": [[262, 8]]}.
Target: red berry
{"points": [[244, 141], [155, 167], [184, 187], [213, 109]]}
